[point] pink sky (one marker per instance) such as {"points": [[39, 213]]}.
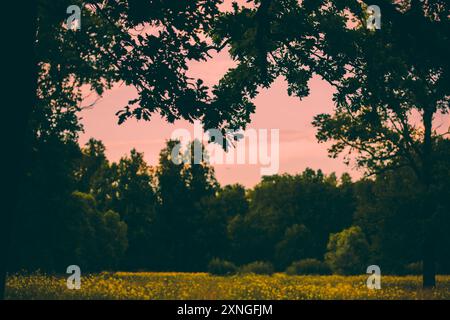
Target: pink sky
{"points": [[274, 110]]}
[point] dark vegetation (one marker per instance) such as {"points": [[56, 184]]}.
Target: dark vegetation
{"points": [[79, 208], [65, 204]]}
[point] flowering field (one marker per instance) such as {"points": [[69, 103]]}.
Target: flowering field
{"points": [[203, 286]]}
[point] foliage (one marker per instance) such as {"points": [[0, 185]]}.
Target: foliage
{"points": [[178, 218], [228, 202], [297, 242], [284, 212], [308, 267], [347, 251], [258, 267], [181, 222], [390, 214], [134, 198], [221, 267], [390, 84], [77, 206]]}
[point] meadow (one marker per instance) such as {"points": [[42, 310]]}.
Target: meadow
{"points": [[198, 286]]}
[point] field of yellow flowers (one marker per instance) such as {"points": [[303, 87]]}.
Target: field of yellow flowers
{"points": [[123, 285]]}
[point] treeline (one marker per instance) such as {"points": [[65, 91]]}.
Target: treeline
{"points": [[79, 208]]}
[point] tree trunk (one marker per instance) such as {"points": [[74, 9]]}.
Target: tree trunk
{"points": [[21, 84], [429, 262], [429, 257]]}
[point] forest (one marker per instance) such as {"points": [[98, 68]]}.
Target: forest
{"points": [[79, 208], [68, 204]]}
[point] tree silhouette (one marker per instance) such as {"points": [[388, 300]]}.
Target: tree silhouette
{"points": [[391, 84], [383, 78], [133, 197], [181, 223], [290, 218], [107, 50], [386, 104]]}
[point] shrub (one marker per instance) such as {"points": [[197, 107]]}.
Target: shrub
{"points": [[298, 241], [221, 267], [414, 268], [258, 267], [308, 267], [348, 252]]}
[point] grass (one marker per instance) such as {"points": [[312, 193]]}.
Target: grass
{"points": [[145, 285]]}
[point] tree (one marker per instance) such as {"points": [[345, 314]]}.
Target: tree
{"points": [[105, 51], [44, 202], [92, 239], [113, 240], [218, 210], [173, 198], [199, 178], [92, 166], [290, 217], [134, 199], [183, 185], [382, 78], [386, 103], [389, 213], [44, 86], [348, 252], [297, 244], [385, 79]]}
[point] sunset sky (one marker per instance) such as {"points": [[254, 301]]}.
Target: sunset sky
{"points": [[274, 110]]}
